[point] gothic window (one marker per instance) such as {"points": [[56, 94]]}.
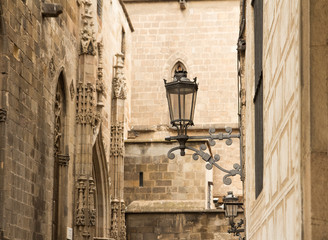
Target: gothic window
{"points": [[60, 163], [179, 66], [258, 97]]}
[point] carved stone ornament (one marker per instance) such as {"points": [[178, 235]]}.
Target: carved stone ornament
{"points": [[80, 211], [123, 225], [52, 67], [92, 208], [119, 81], [72, 90], [3, 115], [86, 110], [117, 144], [88, 40], [100, 86], [58, 126], [63, 160], [114, 226]]}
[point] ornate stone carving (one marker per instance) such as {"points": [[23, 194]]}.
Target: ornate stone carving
{"points": [[58, 127], [63, 160], [100, 86], [114, 226], [88, 40], [92, 208], [86, 111], [117, 144], [3, 115], [80, 211], [123, 226], [72, 90], [119, 81], [52, 67]]}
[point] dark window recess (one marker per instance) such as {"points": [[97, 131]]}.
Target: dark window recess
{"points": [[99, 8], [141, 183], [258, 97]]}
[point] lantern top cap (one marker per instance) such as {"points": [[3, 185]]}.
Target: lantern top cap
{"points": [[230, 197]]}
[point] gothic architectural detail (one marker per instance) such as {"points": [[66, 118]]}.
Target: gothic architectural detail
{"points": [[100, 87], [114, 226], [58, 126], [119, 81], [72, 90], [88, 40], [123, 226], [117, 144], [3, 115], [62, 160], [92, 208], [52, 67], [80, 211], [86, 111]]}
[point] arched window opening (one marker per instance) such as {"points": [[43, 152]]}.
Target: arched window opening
{"points": [[59, 220], [178, 67]]}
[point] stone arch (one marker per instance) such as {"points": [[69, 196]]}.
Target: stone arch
{"points": [[102, 186], [178, 66], [171, 62]]}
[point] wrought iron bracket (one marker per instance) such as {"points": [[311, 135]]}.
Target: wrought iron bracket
{"points": [[236, 228], [210, 161]]}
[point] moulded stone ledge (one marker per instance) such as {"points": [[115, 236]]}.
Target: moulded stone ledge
{"points": [[168, 206]]}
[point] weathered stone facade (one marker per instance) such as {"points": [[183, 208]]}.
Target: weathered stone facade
{"points": [[177, 225], [75, 84], [292, 204], [201, 37], [57, 64]]}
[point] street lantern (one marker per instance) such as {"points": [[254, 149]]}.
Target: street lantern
{"points": [[181, 96], [231, 211], [230, 206]]}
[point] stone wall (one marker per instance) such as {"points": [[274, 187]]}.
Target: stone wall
{"points": [[314, 107], [178, 225], [36, 53], [276, 213], [163, 179], [202, 37]]}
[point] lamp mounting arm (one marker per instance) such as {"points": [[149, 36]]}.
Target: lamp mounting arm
{"points": [[182, 139]]}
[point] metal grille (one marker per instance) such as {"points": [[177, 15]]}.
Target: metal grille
{"points": [[258, 98]]}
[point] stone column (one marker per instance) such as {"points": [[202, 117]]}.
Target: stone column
{"points": [[87, 121], [117, 148]]}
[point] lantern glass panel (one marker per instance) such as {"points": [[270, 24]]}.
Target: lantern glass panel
{"points": [[181, 98], [231, 210]]}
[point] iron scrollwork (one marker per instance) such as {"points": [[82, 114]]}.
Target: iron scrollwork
{"points": [[210, 161]]}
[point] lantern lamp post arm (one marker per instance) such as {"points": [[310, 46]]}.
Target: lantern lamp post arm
{"points": [[210, 161]]}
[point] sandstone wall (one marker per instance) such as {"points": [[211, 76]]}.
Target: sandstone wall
{"points": [[276, 213], [163, 179], [178, 225], [203, 37]]}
